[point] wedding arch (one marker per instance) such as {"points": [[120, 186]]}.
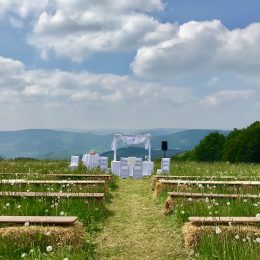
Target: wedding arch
{"points": [[132, 140]]}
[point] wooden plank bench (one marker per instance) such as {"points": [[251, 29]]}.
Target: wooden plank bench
{"points": [[169, 177], [96, 196], [23, 181], [212, 195], [186, 182], [65, 175], [224, 220], [39, 220]]}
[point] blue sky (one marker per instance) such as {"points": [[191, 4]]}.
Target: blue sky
{"points": [[129, 64]]}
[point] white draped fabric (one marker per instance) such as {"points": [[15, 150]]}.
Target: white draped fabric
{"points": [[132, 140]]}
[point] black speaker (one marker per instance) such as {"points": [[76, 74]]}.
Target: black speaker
{"points": [[164, 145]]}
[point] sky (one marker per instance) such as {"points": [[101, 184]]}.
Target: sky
{"points": [[91, 64]]}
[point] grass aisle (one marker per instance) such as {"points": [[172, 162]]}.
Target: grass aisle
{"points": [[137, 229]]}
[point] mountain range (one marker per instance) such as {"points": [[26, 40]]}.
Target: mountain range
{"points": [[61, 144]]}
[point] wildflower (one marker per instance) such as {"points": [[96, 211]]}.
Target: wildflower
{"points": [[236, 236], [182, 212], [209, 207], [49, 248], [189, 199], [210, 213], [66, 258], [18, 206], [62, 213], [56, 204], [216, 212], [258, 240], [27, 224], [216, 203], [228, 203], [7, 204], [244, 240], [23, 255], [192, 252], [245, 200], [257, 215], [31, 251], [47, 233], [52, 206], [46, 210], [218, 230]]}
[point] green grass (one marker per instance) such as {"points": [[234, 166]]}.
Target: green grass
{"points": [[91, 213], [212, 246]]}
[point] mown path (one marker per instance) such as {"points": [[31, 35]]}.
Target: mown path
{"points": [[137, 229]]}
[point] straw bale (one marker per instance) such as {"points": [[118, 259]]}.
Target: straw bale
{"points": [[169, 205], [191, 233], [25, 236]]}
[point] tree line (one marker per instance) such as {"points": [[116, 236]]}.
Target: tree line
{"points": [[240, 145]]}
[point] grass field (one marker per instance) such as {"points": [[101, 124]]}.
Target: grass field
{"points": [[90, 213], [218, 244], [133, 211]]}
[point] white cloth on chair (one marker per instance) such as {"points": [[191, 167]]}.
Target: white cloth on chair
{"points": [[91, 161], [124, 168], [74, 162], [165, 165], [103, 163], [137, 169]]}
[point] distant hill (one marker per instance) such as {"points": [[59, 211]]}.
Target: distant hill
{"points": [[184, 140], [57, 144], [139, 152]]}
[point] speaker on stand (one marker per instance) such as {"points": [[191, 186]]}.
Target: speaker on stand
{"points": [[164, 147]]}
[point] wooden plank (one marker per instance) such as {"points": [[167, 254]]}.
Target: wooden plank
{"points": [[23, 181], [167, 177], [91, 176], [51, 220], [224, 220], [52, 194], [176, 182], [210, 195]]}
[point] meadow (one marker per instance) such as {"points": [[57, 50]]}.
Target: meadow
{"points": [[90, 213], [217, 242]]}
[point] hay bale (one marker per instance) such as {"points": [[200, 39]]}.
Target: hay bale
{"points": [[25, 236], [168, 206], [191, 233], [158, 188]]}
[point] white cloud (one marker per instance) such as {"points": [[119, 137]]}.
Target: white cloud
{"points": [[199, 48], [76, 29], [226, 96], [22, 8]]}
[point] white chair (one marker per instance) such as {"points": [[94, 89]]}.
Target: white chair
{"points": [[103, 163], [137, 169], [74, 162], [124, 168], [165, 165]]}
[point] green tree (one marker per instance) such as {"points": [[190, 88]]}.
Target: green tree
{"points": [[210, 148]]}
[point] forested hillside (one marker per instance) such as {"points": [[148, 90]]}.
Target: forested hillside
{"points": [[241, 145]]}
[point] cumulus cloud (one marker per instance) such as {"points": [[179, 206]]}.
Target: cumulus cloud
{"points": [[76, 29], [72, 87], [206, 47], [225, 96]]}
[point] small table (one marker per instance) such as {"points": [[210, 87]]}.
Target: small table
{"points": [[91, 161]]}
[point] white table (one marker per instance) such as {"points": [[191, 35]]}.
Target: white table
{"points": [[91, 161], [147, 168]]}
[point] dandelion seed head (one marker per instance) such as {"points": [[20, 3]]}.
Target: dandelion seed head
{"points": [[49, 248]]}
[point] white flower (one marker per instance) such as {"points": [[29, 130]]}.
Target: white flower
{"points": [[23, 255], [236, 236], [18, 206], [192, 252], [189, 199], [257, 215], [46, 210], [49, 248], [210, 213], [258, 240], [183, 212], [47, 233], [27, 224], [228, 203], [56, 204], [62, 213], [66, 258], [245, 200], [7, 204], [218, 230]]}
